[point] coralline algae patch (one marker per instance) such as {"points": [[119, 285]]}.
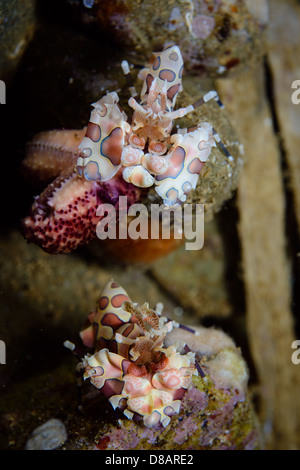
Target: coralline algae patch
{"points": [[215, 413]]}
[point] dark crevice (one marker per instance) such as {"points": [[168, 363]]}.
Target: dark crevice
{"points": [[291, 228]]}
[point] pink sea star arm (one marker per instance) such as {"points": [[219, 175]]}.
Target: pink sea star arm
{"points": [[51, 152]]}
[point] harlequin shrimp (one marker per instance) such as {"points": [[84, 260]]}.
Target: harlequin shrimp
{"points": [[129, 362], [146, 150]]}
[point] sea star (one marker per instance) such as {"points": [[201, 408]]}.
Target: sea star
{"points": [[64, 215]]}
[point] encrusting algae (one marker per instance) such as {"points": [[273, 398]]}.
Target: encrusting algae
{"points": [[177, 389]]}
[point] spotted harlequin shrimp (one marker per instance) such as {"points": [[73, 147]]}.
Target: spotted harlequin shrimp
{"points": [[146, 151], [103, 141], [129, 362]]}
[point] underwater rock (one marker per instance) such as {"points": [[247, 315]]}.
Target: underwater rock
{"points": [[181, 387], [38, 311], [48, 436], [128, 361], [217, 37], [203, 287]]}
